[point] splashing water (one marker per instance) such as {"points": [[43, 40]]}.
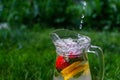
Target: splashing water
{"points": [[68, 45], [83, 16]]}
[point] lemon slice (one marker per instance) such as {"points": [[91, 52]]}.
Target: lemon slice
{"points": [[73, 69]]}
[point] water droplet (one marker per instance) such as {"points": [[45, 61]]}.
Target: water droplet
{"points": [[80, 26], [83, 8], [82, 16], [81, 21], [84, 3]]}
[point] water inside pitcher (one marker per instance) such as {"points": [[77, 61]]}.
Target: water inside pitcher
{"points": [[72, 60]]}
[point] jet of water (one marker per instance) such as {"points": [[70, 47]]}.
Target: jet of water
{"points": [[83, 2]]}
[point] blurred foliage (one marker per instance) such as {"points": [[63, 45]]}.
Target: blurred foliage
{"points": [[99, 14]]}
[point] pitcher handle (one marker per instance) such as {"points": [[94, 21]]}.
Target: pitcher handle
{"points": [[98, 51]]}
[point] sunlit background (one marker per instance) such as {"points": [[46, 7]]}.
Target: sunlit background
{"points": [[26, 50]]}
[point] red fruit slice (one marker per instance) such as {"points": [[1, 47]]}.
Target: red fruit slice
{"points": [[61, 63], [72, 55]]}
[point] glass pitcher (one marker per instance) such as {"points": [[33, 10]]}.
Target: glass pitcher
{"points": [[72, 56]]}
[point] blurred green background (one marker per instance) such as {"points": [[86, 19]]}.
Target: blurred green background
{"points": [[26, 50]]}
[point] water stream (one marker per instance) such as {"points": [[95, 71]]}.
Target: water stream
{"points": [[83, 3]]}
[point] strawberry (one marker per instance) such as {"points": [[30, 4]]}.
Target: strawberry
{"points": [[61, 63]]}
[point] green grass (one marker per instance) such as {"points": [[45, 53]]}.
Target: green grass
{"points": [[29, 54]]}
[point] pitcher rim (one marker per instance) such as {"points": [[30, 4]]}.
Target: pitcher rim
{"points": [[88, 38]]}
